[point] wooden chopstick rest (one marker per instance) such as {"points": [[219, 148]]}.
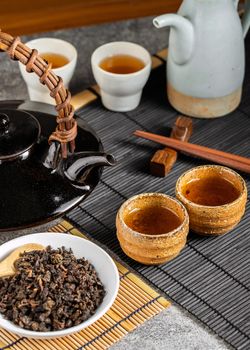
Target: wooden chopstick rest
{"points": [[163, 160], [182, 129]]}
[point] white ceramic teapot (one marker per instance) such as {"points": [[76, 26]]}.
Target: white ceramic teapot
{"points": [[206, 60]]}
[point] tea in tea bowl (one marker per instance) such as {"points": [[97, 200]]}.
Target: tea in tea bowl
{"points": [[121, 90], [152, 228], [215, 198], [49, 48]]}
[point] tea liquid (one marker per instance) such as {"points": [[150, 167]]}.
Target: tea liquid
{"points": [[211, 191], [153, 220], [55, 59], [122, 64]]}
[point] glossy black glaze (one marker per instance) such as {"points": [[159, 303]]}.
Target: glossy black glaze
{"points": [[30, 192], [78, 166], [19, 131]]}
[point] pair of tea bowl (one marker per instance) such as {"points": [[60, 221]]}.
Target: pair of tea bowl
{"points": [[213, 215]]}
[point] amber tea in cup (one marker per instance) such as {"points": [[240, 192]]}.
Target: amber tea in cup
{"points": [[57, 60], [214, 196], [152, 220], [121, 69], [152, 228], [211, 191], [122, 64], [61, 54]]}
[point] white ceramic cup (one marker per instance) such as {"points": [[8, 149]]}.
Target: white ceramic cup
{"points": [[121, 92], [37, 91]]}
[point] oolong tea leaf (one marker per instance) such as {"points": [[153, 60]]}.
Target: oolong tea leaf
{"points": [[51, 290]]}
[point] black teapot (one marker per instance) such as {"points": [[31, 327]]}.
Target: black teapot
{"points": [[46, 168]]}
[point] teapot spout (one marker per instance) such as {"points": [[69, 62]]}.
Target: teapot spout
{"points": [[181, 38], [77, 166]]}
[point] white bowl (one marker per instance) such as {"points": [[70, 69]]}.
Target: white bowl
{"points": [[102, 262]]}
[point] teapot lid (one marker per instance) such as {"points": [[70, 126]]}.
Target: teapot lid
{"points": [[19, 131]]}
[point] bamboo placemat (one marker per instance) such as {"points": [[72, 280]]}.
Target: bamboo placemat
{"points": [[136, 302]]}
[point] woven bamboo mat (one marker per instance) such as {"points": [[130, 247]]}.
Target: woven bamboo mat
{"points": [[136, 302]]}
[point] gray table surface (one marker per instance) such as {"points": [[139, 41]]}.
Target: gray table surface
{"points": [[172, 329]]}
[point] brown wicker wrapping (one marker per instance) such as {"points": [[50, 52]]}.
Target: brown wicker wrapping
{"points": [[66, 129]]}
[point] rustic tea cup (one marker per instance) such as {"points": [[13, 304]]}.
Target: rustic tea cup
{"points": [[152, 249], [218, 219]]}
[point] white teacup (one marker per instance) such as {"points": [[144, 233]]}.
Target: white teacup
{"points": [[37, 91], [121, 92]]}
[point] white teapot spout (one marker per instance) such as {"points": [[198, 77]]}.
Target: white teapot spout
{"points": [[182, 36]]}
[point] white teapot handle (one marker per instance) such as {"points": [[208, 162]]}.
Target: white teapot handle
{"points": [[246, 18]]}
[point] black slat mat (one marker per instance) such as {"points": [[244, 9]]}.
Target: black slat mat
{"points": [[211, 276]]}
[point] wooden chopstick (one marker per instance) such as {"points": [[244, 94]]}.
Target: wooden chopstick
{"points": [[228, 159]]}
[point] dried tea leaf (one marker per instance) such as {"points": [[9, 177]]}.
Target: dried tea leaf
{"points": [[51, 290]]}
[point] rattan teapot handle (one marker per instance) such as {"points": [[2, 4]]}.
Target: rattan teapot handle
{"points": [[66, 129]]}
